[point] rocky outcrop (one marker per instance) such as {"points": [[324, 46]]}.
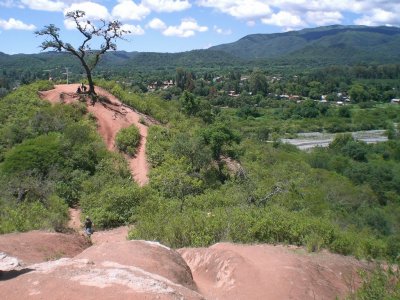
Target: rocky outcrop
{"points": [[38, 246], [114, 268], [123, 270], [9, 263], [231, 271], [150, 257]]}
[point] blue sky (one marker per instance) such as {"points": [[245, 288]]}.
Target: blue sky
{"points": [[181, 25]]}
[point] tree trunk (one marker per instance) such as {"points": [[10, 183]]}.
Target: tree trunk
{"points": [[90, 80]]}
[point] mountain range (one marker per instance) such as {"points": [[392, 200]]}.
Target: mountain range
{"points": [[316, 47], [353, 43]]}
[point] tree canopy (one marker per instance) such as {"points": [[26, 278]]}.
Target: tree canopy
{"points": [[108, 31]]}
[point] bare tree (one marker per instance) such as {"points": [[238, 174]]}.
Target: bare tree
{"points": [[108, 31]]}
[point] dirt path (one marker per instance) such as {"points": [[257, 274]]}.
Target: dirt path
{"points": [[98, 237], [74, 219], [111, 117]]}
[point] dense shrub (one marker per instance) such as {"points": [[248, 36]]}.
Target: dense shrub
{"points": [[26, 216], [113, 205], [40, 154], [381, 283], [128, 139]]}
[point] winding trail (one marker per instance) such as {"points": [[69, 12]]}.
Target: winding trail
{"points": [[74, 219], [111, 117]]}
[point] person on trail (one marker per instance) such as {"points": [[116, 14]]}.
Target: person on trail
{"points": [[88, 226], [78, 91]]}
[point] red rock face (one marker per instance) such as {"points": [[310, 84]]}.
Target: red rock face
{"points": [[120, 270], [114, 268], [38, 246], [229, 271]]}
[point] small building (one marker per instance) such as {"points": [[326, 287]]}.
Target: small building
{"points": [[167, 84], [218, 79], [395, 101], [233, 94]]}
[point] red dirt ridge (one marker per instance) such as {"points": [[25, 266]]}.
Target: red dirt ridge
{"points": [[111, 117], [114, 268]]}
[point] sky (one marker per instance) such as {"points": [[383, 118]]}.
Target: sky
{"points": [[183, 25]]}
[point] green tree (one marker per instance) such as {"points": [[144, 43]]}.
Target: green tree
{"points": [[358, 93], [219, 135], [258, 83], [173, 179], [190, 104], [344, 112]]}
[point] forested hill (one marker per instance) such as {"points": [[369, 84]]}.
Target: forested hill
{"points": [[295, 50], [335, 44], [118, 59]]}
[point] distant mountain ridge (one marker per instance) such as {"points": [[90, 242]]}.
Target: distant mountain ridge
{"points": [[314, 47], [362, 43]]}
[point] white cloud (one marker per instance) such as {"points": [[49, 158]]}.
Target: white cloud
{"points": [[379, 17], [157, 24], [166, 5], [93, 11], [45, 5], [322, 18], [222, 31], [15, 24], [8, 3], [241, 9], [284, 19], [302, 13], [187, 28], [129, 10], [133, 29]]}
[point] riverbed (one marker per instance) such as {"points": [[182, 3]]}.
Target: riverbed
{"points": [[309, 140]]}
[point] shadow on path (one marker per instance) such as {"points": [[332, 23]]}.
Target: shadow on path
{"points": [[7, 275]]}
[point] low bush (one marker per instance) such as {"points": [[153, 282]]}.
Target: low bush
{"points": [[26, 216], [128, 139]]}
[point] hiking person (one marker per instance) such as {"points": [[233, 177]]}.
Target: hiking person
{"points": [[88, 226], [78, 90]]}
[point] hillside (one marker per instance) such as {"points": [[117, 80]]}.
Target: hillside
{"points": [[331, 44], [322, 46], [111, 118], [117, 61]]}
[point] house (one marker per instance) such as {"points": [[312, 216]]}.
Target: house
{"points": [[395, 101], [152, 86], [233, 94], [294, 97], [167, 84]]}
